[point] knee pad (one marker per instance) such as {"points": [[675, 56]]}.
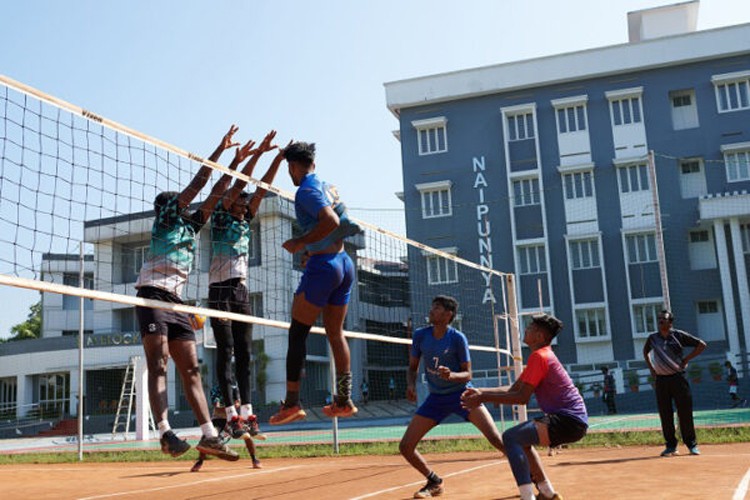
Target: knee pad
{"points": [[297, 351]]}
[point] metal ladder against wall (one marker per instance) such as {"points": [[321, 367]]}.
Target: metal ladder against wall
{"points": [[125, 405]]}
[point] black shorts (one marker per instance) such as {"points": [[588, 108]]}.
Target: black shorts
{"points": [[230, 295], [176, 326], [562, 428]]}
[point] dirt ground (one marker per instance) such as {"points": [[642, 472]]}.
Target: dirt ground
{"points": [[721, 472]]}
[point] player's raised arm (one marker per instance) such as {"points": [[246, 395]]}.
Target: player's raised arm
{"points": [[239, 184]]}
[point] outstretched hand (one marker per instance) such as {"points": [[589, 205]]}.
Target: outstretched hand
{"points": [[265, 144], [243, 152], [471, 398], [226, 141]]}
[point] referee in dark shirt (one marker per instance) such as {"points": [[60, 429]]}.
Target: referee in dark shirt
{"points": [[664, 357]]}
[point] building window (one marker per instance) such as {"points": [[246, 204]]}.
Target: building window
{"points": [[732, 91], [432, 135], [571, 119], [436, 199], [8, 395], [525, 192], [644, 316], [633, 178], [578, 185], [71, 302], [684, 109], [708, 307], [626, 111], [441, 271], [641, 248], [532, 259], [584, 254], [133, 257], [256, 303], [53, 394], [737, 165], [745, 234], [521, 126], [692, 180], [591, 323], [701, 250]]}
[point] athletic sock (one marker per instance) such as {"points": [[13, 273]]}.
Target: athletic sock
{"points": [[434, 478], [245, 411], [344, 388], [527, 491], [292, 398], [208, 429], [231, 413], [163, 427], [545, 488]]}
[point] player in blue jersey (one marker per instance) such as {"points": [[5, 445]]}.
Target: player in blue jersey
{"points": [[444, 353], [230, 243], [166, 333], [325, 285]]}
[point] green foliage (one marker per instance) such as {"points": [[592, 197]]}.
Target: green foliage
{"points": [[633, 378], [715, 368], [694, 371], [31, 328]]}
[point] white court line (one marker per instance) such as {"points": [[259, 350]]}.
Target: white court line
{"points": [[741, 492], [388, 490], [191, 483], [607, 422]]}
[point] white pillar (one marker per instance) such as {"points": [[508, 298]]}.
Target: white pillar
{"points": [[726, 286], [741, 272], [140, 382], [75, 393]]}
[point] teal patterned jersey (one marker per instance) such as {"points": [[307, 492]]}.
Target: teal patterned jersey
{"points": [[172, 248], [230, 244]]}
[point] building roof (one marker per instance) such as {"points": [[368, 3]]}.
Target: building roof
{"points": [[572, 66]]}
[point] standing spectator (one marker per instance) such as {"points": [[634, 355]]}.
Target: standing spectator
{"points": [[663, 352], [391, 389], [609, 391], [365, 388], [733, 383]]}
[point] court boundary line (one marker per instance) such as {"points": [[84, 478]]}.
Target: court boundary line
{"points": [[394, 488], [741, 491], [255, 472]]}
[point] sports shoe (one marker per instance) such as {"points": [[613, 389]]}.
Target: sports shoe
{"points": [[197, 465], [235, 428], [694, 450], [256, 464], [214, 446], [556, 496], [431, 489], [669, 452], [287, 414], [334, 410], [253, 428], [172, 445]]}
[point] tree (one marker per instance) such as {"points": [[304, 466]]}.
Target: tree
{"points": [[32, 327]]}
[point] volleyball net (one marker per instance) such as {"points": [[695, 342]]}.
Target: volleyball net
{"points": [[77, 198]]}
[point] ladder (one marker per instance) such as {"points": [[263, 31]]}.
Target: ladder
{"points": [[125, 405]]}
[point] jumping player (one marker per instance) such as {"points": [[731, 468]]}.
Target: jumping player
{"points": [[225, 434], [230, 240], [444, 352], [565, 418], [325, 285], [162, 277]]}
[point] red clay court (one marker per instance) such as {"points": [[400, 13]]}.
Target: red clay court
{"points": [[721, 472]]}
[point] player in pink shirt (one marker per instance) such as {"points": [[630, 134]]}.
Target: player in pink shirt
{"points": [[564, 421]]}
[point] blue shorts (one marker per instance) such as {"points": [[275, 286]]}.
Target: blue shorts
{"points": [[438, 406], [327, 279]]}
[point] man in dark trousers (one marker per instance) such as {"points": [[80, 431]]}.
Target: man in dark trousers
{"points": [[609, 391], [663, 352]]}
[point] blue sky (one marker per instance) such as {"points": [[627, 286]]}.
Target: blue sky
{"points": [[183, 71]]}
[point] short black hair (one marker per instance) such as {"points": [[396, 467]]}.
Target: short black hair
{"points": [[162, 199], [549, 323], [302, 152], [667, 314], [605, 369], [448, 303]]}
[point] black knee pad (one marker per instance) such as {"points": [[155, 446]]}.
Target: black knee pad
{"points": [[297, 351]]}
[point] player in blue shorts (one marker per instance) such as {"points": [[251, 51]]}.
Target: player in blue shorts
{"points": [[444, 352], [325, 285]]}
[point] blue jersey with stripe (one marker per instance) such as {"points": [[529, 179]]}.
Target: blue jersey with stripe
{"points": [[312, 196], [452, 350]]}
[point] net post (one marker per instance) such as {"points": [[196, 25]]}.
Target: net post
{"points": [[82, 262], [140, 383], [515, 337], [334, 420]]}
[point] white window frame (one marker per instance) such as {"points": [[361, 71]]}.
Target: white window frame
{"points": [[438, 125], [623, 100], [599, 314], [643, 250], [723, 85], [571, 119], [529, 193], [641, 178], [531, 259], [737, 161], [426, 190], [650, 308], [687, 112], [577, 249], [520, 125], [447, 269], [701, 304], [578, 182]]}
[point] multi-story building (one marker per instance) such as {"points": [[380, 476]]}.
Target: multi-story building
{"points": [[540, 168]]}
